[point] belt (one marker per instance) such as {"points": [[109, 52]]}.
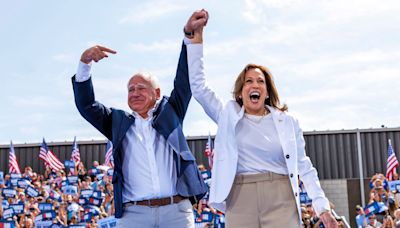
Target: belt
{"points": [[156, 202]]}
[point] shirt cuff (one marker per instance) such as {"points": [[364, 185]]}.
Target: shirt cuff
{"points": [[83, 73], [186, 40]]}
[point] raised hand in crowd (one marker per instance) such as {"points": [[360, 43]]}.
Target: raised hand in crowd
{"points": [[96, 53]]}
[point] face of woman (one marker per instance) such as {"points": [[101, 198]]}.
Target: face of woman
{"points": [[254, 92]]}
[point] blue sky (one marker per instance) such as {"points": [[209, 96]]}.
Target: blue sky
{"points": [[335, 63]]}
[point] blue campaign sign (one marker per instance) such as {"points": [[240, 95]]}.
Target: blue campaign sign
{"points": [[108, 222], [206, 216], [393, 185], [1, 177], [18, 208], [22, 183], [14, 182], [45, 207], [48, 215], [8, 213], [83, 201], [110, 172], [98, 194], [93, 172], [9, 192], [69, 164], [31, 191], [304, 198], [77, 226], [15, 175], [86, 193], [95, 201], [71, 190], [72, 179]]}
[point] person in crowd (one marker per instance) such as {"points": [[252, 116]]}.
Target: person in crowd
{"points": [[258, 146], [361, 220], [154, 172], [372, 222]]}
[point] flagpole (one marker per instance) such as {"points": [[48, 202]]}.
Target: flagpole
{"points": [[360, 168]]}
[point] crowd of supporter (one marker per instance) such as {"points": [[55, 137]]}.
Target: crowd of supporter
{"points": [[63, 198], [383, 206]]}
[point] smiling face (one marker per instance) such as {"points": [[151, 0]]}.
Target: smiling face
{"points": [[254, 92], [142, 95]]}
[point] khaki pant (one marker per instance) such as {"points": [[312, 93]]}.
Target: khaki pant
{"points": [[261, 200]]}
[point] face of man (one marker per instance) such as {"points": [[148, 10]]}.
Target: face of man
{"points": [[142, 96]]}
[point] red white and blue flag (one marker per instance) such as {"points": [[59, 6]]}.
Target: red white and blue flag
{"points": [[109, 160], [392, 163], [75, 155], [13, 166], [49, 158], [209, 151]]}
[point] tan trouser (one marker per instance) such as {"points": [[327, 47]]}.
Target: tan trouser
{"points": [[261, 200]]}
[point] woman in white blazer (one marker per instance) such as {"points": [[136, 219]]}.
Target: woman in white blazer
{"points": [[259, 148]]}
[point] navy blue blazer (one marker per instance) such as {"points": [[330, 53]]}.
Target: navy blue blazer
{"points": [[167, 121]]}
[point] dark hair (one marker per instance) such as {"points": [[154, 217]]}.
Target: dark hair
{"points": [[272, 100]]}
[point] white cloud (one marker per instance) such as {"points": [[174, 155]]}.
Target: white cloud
{"points": [[152, 10]]}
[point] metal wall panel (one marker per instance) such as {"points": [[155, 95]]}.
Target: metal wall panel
{"points": [[333, 153]]}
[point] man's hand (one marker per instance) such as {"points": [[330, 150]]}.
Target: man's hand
{"points": [[329, 220], [195, 25], [96, 53]]}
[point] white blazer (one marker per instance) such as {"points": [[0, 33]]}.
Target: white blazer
{"points": [[226, 116]]}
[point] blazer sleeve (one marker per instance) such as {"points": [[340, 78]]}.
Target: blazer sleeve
{"points": [[181, 94], [309, 175], [207, 98], [93, 111]]}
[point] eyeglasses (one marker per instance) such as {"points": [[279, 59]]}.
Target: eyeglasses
{"points": [[137, 87]]}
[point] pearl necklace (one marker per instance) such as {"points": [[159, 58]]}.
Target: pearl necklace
{"points": [[256, 119]]}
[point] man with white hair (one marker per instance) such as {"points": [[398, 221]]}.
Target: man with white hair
{"points": [[155, 174]]}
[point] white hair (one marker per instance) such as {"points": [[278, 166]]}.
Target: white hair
{"points": [[148, 77]]}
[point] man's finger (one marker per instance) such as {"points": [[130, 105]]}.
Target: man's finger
{"points": [[106, 49]]}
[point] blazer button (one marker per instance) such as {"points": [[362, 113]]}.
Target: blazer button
{"points": [[287, 156], [291, 175], [295, 194]]}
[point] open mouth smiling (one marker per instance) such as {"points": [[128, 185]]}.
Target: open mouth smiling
{"points": [[254, 96]]}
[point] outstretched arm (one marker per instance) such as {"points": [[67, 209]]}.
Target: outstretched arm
{"points": [[93, 111], [207, 98]]}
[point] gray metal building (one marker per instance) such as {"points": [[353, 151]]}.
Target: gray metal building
{"points": [[335, 154]]}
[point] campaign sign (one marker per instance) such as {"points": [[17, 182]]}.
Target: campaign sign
{"points": [[55, 196], [7, 223], [304, 198], [9, 192], [92, 209], [14, 182], [71, 190], [69, 164], [93, 172], [31, 191], [100, 176], [95, 201], [107, 222], [44, 224], [83, 201], [8, 213], [45, 207], [1, 177], [18, 208], [48, 215], [87, 217], [22, 183], [15, 175], [393, 185], [72, 179], [86, 193], [63, 184], [110, 172], [98, 194], [77, 226]]}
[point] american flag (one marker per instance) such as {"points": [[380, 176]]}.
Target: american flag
{"points": [[109, 160], [75, 155], [209, 151], [50, 158], [13, 166], [392, 163]]}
